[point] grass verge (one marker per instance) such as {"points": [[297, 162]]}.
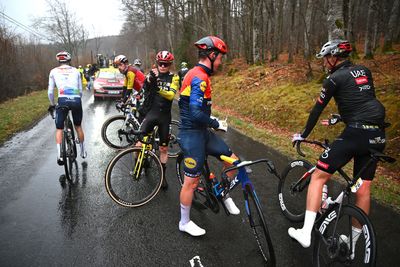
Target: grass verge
{"points": [[19, 113]]}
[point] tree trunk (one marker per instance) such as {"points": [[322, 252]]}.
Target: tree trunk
{"points": [[292, 31], [335, 20], [369, 30], [389, 32]]}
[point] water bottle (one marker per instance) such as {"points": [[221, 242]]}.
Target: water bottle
{"points": [[324, 203]]}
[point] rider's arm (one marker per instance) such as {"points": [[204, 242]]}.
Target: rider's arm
{"points": [[79, 83], [130, 79], [196, 102], [50, 89], [169, 94], [326, 94]]}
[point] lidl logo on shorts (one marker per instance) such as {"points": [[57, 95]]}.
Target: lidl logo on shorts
{"points": [[190, 163]]}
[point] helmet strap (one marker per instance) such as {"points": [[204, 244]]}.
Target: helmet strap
{"points": [[216, 53], [334, 64]]}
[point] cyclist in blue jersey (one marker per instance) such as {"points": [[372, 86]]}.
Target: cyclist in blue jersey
{"points": [[68, 81], [195, 138]]}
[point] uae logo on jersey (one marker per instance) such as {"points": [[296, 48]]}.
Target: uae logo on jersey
{"points": [[361, 80]]}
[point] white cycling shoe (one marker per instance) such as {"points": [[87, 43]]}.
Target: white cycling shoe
{"points": [[231, 206], [300, 236], [192, 229]]}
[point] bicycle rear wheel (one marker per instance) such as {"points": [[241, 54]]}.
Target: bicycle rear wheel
{"points": [[133, 177], [69, 155], [173, 145], [114, 132], [292, 190], [332, 244], [259, 226]]}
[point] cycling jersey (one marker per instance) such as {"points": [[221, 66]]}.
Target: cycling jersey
{"points": [[68, 81], [157, 105], [353, 89], [195, 99], [159, 96]]}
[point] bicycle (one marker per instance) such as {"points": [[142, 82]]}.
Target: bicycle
{"points": [[135, 175], [116, 131], [210, 192], [68, 146], [333, 227]]}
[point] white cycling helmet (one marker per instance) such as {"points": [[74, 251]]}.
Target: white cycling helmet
{"points": [[63, 57], [120, 59], [338, 48]]}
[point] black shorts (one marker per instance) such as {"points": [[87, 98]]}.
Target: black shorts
{"points": [[353, 143], [75, 104], [160, 119]]}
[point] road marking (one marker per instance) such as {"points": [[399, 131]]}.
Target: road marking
{"points": [[195, 262]]}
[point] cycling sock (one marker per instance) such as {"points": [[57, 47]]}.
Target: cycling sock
{"points": [[164, 184], [356, 232], [58, 150], [309, 222], [185, 214]]}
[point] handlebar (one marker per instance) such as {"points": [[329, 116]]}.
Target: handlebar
{"points": [[323, 145], [270, 166]]}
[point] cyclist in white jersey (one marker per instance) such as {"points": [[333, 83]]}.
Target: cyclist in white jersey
{"points": [[67, 80]]}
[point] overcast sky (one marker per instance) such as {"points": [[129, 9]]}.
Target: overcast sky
{"points": [[99, 17]]}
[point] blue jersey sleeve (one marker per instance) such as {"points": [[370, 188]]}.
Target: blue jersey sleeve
{"points": [[196, 107]]}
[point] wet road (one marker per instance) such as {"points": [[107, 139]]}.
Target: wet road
{"points": [[45, 224]]}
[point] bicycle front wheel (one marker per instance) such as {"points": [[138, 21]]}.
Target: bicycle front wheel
{"points": [[114, 132], [337, 244], [259, 226], [292, 189], [133, 177], [173, 145]]}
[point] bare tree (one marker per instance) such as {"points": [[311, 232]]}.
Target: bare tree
{"points": [[62, 27], [369, 29], [335, 20]]}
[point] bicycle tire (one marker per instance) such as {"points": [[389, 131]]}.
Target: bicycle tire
{"points": [[129, 187], [259, 226], [292, 203], [110, 135], [69, 157], [73, 138], [202, 198], [336, 252], [173, 145]]}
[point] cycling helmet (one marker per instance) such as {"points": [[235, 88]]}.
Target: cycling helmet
{"points": [[210, 44], [120, 59], [337, 48], [164, 56], [137, 62], [184, 65], [63, 57]]}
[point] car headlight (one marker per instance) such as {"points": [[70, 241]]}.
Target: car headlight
{"points": [[98, 86]]}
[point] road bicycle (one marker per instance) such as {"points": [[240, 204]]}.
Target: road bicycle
{"points": [[135, 175], [68, 146], [116, 131], [334, 242], [211, 191]]}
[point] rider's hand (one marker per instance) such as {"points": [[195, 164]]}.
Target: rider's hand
{"points": [[222, 124], [51, 110], [296, 138]]}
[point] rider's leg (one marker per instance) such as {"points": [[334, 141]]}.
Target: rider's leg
{"points": [[58, 142], [186, 197], [314, 195], [164, 159], [81, 137]]}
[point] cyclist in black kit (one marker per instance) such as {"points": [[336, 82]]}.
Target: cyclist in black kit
{"points": [[353, 89], [159, 91]]}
